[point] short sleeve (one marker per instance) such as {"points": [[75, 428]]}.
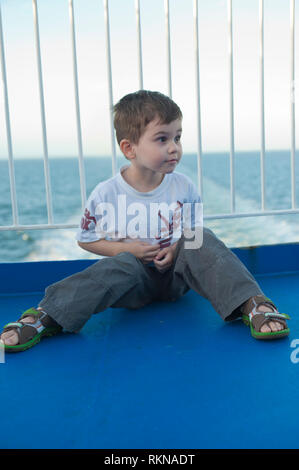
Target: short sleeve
{"points": [[87, 231]]}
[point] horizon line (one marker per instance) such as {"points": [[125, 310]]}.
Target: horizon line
{"points": [[213, 152]]}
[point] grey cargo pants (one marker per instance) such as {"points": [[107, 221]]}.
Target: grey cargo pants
{"points": [[212, 270]]}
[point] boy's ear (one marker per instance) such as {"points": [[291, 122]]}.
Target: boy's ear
{"points": [[127, 148]]}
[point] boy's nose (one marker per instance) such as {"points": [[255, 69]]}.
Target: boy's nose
{"points": [[173, 147]]}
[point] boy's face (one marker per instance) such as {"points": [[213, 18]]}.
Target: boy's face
{"points": [[159, 148]]}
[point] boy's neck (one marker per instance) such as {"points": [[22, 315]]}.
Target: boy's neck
{"points": [[143, 181]]}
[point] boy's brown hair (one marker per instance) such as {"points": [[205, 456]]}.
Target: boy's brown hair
{"points": [[136, 110]]}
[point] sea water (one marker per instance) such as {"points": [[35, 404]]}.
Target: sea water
{"points": [[55, 244]]}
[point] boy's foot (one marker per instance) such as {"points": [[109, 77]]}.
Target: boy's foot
{"points": [[28, 330], [264, 319], [11, 337]]}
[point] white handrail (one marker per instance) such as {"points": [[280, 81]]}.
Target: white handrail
{"points": [[43, 116], [110, 87], [139, 44], [77, 102], [231, 107], [292, 102], [197, 91], [12, 182], [168, 47], [235, 215], [262, 101]]}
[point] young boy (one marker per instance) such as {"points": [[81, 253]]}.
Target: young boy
{"points": [[147, 257]]}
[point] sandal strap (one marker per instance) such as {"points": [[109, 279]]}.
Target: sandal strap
{"points": [[44, 318], [284, 316], [254, 302], [12, 325]]}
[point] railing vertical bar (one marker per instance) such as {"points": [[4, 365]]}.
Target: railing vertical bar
{"points": [[12, 182], [139, 43], [168, 47], [262, 102], [42, 112], [293, 144], [77, 102], [231, 101], [110, 87], [197, 90]]}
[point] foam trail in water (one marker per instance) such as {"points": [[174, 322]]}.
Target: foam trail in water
{"points": [[247, 231], [59, 244]]}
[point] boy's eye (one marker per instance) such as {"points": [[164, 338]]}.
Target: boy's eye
{"points": [[164, 139]]}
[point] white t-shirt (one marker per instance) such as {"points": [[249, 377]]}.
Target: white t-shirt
{"points": [[116, 211]]}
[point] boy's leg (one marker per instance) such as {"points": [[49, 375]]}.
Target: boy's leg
{"points": [[119, 281], [215, 273]]}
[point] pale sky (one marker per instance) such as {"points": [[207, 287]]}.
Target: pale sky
{"points": [[17, 17]]}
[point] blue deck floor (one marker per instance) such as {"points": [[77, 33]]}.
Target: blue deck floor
{"points": [[165, 376]]}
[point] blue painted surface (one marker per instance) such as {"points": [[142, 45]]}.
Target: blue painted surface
{"points": [[165, 376]]}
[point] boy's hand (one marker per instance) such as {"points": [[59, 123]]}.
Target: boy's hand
{"points": [[164, 258], [142, 250]]}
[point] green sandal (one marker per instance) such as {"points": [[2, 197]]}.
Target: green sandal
{"points": [[256, 319], [31, 333]]}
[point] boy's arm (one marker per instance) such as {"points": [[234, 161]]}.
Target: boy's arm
{"points": [[144, 251], [104, 247]]}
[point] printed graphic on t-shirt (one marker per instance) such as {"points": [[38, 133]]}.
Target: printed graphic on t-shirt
{"points": [[166, 233], [87, 219]]}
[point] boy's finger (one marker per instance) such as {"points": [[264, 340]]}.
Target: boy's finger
{"points": [[153, 249], [163, 252], [162, 261]]}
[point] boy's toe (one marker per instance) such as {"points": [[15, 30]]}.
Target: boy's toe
{"points": [[10, 338], [271, 326], [275, 326], [265, 329], [279, 326]]}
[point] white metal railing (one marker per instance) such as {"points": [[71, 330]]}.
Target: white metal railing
{"points": [[78, 118], [262, 157], [231, 107], [12, 180], [139, 44], [233, 213], [43, 116], [292, 100]]}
